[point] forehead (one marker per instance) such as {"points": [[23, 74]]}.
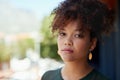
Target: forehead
{"points": [[72, 26]]}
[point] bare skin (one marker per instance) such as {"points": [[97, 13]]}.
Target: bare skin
{"points": [[73, 47]]}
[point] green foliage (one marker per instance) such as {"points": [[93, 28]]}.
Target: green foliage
{"points": [[4, 52], [15, 49], [22, 46], [48, 44]]}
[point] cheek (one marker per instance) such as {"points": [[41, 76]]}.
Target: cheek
{"points": [[82, 46], [59, 42]]}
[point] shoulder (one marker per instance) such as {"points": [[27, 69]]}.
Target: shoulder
{"points": [[51, 75], [99, 76], [95, 75]]}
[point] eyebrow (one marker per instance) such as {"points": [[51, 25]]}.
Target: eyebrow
{"points": [[75, 30], [61, 29], [80, 29]]}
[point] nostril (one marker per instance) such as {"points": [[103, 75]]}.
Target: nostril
{"points": [[68, 42]]}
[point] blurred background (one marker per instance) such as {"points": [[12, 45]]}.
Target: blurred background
{"points": [[28, 49]]}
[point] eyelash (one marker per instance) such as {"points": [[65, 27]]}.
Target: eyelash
{"points": [[63, 34], [79, 35]]}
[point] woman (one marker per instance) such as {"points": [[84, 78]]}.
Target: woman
{"points": [[79, 24]]}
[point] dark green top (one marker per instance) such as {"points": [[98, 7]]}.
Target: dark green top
{"points": [[56, 75]]}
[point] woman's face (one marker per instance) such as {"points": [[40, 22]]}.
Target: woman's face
{"points": [[74, 43]]}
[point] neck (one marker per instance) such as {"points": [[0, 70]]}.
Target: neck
{"points": [[76, 66], [72, 69]]}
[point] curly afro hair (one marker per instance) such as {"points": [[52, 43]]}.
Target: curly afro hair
{"points": [[90, 14]]}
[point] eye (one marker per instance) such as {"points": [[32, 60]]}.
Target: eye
{"points": [[62, 34], [78, 35]]}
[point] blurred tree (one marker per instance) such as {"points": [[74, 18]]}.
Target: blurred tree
{"points": [[4, 52], [22, 46], [14, 49], [48, 44]]}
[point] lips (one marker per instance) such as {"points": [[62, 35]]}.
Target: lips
{"points": [[67, 50]]}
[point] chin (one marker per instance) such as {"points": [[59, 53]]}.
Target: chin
{"points": [[68, 59]]}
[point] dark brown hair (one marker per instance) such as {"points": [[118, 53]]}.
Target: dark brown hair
{"points": [[90, 14]]}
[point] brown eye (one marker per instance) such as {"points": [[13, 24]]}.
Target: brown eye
{"points": [[79, 35], [62, 34]]}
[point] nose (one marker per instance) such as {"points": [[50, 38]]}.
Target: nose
{"points": [[68, 41]]}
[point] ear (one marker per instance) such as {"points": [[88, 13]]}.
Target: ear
{"points": [[93, 44]]}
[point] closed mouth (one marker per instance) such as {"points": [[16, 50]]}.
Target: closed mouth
{"points": [[67, 50]]}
